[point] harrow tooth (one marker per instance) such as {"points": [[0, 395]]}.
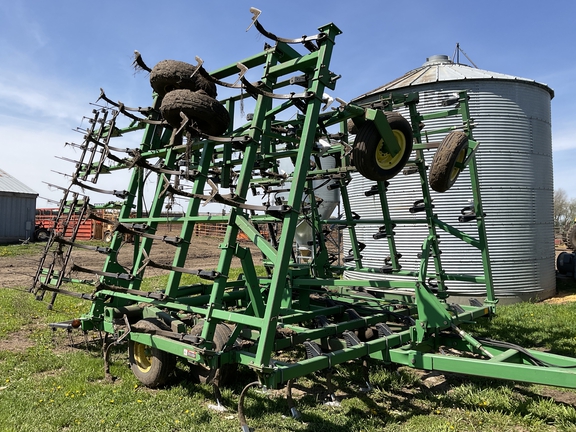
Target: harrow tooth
{"points": [[475, 302], [312, 349], [322, 321], [353, 314], [455, 307], [384, 330], [351, 339]]}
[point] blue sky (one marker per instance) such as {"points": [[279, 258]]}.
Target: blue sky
{"points": [[56, 55]]}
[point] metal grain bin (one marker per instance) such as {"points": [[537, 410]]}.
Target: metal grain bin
{"points": [[512, 118], [17, 209]]}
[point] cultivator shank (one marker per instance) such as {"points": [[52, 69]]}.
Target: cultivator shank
{"points": [[289, 152]]}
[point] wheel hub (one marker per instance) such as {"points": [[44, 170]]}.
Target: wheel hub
{"points": [[386, 160], [142, 357], [459, 160]]}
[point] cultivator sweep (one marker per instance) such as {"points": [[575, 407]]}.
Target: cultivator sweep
{"points": [[275, 170]]}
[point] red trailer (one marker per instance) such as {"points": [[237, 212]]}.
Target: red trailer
{"points": [[47, 220]]}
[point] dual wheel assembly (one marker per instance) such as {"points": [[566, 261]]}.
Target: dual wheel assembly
{"points": [[188, 95], [375, 162]]}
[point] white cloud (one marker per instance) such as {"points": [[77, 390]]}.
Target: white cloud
{"points": [[28, 153], [29, 96], [563, 139], [38, 116]]}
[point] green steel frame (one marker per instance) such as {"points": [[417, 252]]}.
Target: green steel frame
{"points": [[299, 303]]}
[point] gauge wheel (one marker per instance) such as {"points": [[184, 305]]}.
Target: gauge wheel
{"points": [[571, 237], [209, 115], [42, 235], [107, 236], [225, 373], [150, 365], [170, 75], [444, 169], [369, 155]]}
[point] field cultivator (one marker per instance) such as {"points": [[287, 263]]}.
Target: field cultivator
{"points": [[276, 165]]}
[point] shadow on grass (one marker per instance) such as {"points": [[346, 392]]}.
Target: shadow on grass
{"points": [[396, 400]]}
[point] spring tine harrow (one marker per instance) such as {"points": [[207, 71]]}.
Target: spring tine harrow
{"points": [[289, 167]]}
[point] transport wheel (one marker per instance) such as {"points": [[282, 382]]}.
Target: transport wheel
{"points": [[223, 374], [150, 365], [369, 155], [42, 235], [170, 75], [452, 151], [571, 237], [210, 115]]}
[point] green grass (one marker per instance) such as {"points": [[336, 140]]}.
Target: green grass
{"points": [[46, 385], [37, 248], [549, 326], [21, 249]]}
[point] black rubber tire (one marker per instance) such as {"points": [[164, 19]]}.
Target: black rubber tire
{"points": [[170, 75], [107, 237], [222, 375], [351, 127], [443, 171], [367, 155], [571, 237], [41, 235], [210, 115], [150, 365]]}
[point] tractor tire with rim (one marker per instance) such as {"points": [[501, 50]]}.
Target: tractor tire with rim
{"points": [[223, 374], [210, 115], [368, 155], [571, 237], [170, 75], [150, 365], [451, 151]]}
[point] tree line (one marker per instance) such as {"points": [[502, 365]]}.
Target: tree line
{"points": [[564, 208]]}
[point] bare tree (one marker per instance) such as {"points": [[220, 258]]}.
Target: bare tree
{"points": [[561, 205], [571, 212], [564, 211]]}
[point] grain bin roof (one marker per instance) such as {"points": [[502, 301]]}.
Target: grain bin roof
{"points": [[11, 185], [440, 68]]}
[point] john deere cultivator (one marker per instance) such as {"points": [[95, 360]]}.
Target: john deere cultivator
{"points": [[268, 174]]}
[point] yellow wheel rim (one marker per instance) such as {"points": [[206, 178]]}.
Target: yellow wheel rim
{"points": [[142, 357], [385, 160], [456, 170]]}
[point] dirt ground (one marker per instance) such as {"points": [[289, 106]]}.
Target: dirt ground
{"points": [[204, 252], [19, 271]]}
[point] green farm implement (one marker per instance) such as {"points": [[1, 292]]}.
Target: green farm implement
{"points": [[268, 170]]}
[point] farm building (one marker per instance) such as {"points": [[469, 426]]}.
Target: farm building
{"points": [[17, 209]]}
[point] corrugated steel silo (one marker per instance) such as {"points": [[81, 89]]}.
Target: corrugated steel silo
{"points": [[512, 118]]}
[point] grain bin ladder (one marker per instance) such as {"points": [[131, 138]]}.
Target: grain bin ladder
{"points": [[302, 301]]}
